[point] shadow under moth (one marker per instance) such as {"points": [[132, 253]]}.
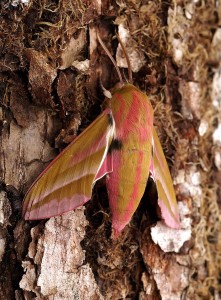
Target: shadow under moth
{"points": [[121, 144]]}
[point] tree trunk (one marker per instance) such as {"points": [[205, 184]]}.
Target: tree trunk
{"points": [[52, 74]]}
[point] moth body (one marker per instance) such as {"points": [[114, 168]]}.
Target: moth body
{"points": [[131, 151], [121, 144]]}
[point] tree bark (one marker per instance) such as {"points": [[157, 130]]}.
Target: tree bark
{"points": [[52, 70]]}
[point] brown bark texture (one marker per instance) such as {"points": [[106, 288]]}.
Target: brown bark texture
{"points": [[52, 74]]}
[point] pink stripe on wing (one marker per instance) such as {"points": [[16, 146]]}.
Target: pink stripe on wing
{"points": [[55, 207], [171, 219]]}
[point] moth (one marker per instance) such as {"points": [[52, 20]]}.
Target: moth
{"points": [[121, 144]]}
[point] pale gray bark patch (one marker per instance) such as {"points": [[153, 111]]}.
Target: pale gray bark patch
{"points": [[20, 159], [5, 212], [57, 270]]}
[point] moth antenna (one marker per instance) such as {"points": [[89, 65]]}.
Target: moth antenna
{"points": [[127, 58], [111, 58]]}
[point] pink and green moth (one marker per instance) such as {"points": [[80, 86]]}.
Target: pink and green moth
{"points": [[121, 144]]}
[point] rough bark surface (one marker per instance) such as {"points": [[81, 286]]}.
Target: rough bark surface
{"points": [[52, 70]]}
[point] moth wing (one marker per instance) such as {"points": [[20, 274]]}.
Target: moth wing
{"points": [[166, 194], [68, 180]]}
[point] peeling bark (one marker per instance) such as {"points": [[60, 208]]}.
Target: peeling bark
{"points": [[57, 268]]}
